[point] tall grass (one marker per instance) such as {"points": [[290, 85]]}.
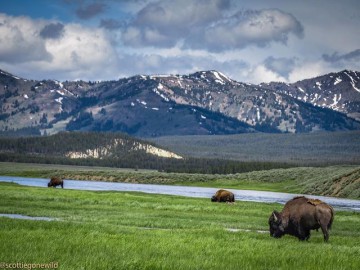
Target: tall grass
{"points": [[123, 230]]}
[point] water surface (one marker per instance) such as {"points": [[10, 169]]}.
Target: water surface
{"points": [[198, 192], [17, 216]]}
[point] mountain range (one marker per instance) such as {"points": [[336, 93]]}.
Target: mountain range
{"points": [[202, 103]]}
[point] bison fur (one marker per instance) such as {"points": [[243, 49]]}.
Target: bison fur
{"points": [[56, 181], [223, 196], [301, 215]]}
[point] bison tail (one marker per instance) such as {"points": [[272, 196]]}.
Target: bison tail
{"points": [[332, 218]]}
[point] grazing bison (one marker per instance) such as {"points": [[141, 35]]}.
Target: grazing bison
{"points": [[299, 216], [223, 196], [56, 181]]}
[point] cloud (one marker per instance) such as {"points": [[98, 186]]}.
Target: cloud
{"points": [[165, 23], [52, 30], [171, 37], [72, 52], [82, 53], [336, 57], [208, 25], [20, 42], [309, 69], [182, 64], [90, 11], [259, 74], [252, 27], [111, 24], [282, 66]]}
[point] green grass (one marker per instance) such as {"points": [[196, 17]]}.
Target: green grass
{"points": [[123, 230]]}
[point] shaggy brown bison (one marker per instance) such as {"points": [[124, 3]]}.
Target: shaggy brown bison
{"points": [[223, 196], [56, 181], [299, 216]]}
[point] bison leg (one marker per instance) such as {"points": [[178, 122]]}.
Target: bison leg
{"points": [[325, 232], [62, 185], [303, 234]]}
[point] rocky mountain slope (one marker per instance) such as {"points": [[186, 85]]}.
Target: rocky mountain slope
{"points": [[337, 91], [201, 103], [266, 109]]}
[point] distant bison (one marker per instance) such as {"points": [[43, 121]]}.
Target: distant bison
{"points": [[223, 196], [299, 216], [56, 181]]}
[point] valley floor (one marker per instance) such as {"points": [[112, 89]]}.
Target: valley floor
{"points": [[127, 230]]}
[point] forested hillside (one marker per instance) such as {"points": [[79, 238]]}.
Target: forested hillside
{"points": [[116, 150], [315, 149]]}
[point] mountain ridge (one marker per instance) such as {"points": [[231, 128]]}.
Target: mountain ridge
{"points": [[336, 95], [201, 103]]}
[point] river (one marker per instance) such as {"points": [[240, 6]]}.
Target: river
{"points": [[199, 192]]}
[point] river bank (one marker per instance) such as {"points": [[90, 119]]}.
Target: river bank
{"points": [[187, 191]]}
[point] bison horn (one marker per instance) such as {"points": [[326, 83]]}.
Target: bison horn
{"points": [[275, 217]]}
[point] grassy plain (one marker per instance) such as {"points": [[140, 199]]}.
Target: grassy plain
{"points": [[123, 230]]}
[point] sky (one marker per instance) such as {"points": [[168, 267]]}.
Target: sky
{"points": [[250, 41]]}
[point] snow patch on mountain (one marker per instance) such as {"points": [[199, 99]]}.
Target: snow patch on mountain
{"points": [[108, 150], [302, 90], [337, 80], [352, 82], [59, 100], [336, 100], [158, 91], [61, 85], [319, 84]]}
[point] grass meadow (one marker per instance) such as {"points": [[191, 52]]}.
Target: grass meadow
{"points": [[125, 230]]}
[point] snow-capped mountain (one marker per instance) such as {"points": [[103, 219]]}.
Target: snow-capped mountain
{"points": [[129, 105], [205, 102], [337, 91], [266, 107]]}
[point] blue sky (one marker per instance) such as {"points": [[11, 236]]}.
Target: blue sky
{"points": [[250, 41]]}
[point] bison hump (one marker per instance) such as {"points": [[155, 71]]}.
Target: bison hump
{"points": [[314, 202]]}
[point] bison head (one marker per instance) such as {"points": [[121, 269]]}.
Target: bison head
{"points": [[213, 199], [276, 225]]}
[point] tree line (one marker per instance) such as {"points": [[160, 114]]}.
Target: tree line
{"points": [[52, 150]]}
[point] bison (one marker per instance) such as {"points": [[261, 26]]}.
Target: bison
{"points": [[56, 181], [299, 216], [223, 196]]}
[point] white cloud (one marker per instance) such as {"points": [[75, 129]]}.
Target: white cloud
{"points": [[309, 69], [80, 48], [19, 40], [263, 42], [79, 52], [260, 73], [181, 64], [208, 25], [164, 23], [248, 28]]}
